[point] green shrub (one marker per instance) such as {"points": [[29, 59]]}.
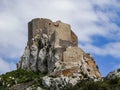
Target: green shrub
{"points": [[19, 76]]}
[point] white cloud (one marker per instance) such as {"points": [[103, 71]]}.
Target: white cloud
{"points": [[85, 19], [63, 5], [111, 49], [12, 37], [104, 3], [80, 14], [5, 66]]}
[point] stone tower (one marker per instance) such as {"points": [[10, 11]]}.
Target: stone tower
{"points": [[62, 31]]}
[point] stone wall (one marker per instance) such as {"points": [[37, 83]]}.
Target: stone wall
{"points": [[58, 30], [72, 56]]}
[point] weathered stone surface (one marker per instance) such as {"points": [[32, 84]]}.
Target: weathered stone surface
{"points": [[45, 26], [53, 49], [24, 63], [59, 82], [114, 74]]}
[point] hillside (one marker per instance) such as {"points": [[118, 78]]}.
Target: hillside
{"points": [[52, 60], [29, 80]]}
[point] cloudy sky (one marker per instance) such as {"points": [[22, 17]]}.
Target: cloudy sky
{"points": [[96, 23]]}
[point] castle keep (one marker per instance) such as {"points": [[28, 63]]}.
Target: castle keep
{"points": [[63, 34]]}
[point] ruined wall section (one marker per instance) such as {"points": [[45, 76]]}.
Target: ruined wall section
{"points": [[74, 39], [38, 26], [62, 32]]}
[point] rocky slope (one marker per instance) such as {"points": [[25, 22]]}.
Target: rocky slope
{"points": [[28, 80], [52, 60], [52, 48]]}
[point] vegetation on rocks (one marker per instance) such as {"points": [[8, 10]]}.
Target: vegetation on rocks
{"points": [[103, 84], [20, 76]]}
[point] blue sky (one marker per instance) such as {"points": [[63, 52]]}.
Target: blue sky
{"points": [[96, 23]]}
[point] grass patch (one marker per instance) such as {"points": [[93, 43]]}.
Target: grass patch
{"points": [[19, 76]]}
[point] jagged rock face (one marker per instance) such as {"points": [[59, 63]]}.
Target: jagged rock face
{"points": [[53, 48]]}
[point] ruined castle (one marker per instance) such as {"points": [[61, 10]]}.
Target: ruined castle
{"points": [[52, 48]]}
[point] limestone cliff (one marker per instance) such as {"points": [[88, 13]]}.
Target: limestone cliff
{"points": [[52, 48]]}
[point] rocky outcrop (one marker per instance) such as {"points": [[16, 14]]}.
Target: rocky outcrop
{"points": [[21, 86], [114, 74], [52, 48], [59, 82]]}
